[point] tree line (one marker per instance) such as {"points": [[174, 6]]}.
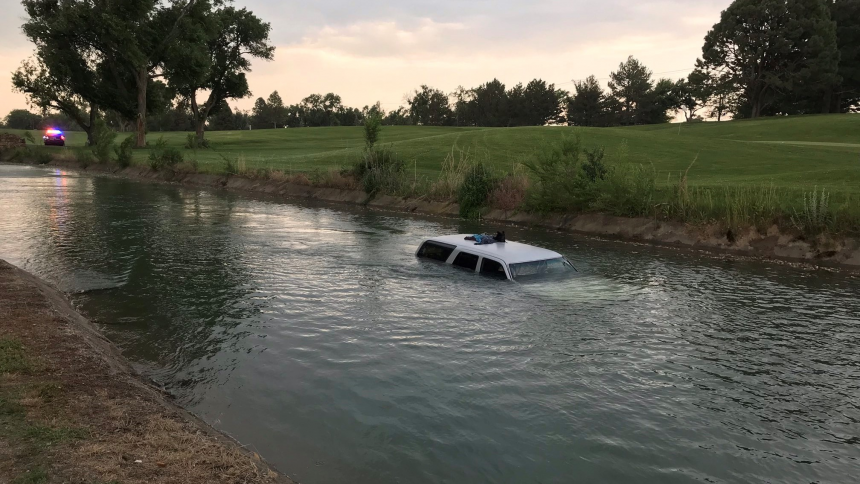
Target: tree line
{"points": [[142, 68]]}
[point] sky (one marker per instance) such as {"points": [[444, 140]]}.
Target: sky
{"points": [[377, 50]]}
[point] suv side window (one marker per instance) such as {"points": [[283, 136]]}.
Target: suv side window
{"points": [[436, 251], [466, 261], [493, 269]]}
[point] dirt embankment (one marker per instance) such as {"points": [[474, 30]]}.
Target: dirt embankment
{"points": [[73, 411], [774, 243]]}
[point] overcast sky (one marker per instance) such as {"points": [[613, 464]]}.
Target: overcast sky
{"points": [[381, 50]]}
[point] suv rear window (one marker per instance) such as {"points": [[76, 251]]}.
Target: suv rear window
{"points": [[466, 260], [436, 251], [493, 269]]}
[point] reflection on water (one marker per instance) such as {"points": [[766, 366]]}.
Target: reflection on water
{"points": [[314, 335]]}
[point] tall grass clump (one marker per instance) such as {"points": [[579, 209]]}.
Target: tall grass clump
{"points": [[474, 193], [454, 168], [123, 152], [814, 215], [163, 156], [84, 157]]}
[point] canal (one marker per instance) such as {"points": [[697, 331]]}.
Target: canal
{"points": [[312, 334]]}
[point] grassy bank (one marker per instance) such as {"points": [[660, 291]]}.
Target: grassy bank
{"points": [[801, 172], [70, 411]]}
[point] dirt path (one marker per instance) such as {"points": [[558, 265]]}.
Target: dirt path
{"points": [[72, 411]]}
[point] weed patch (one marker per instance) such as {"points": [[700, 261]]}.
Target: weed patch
{"points": [[13, 358], [163, 156]]}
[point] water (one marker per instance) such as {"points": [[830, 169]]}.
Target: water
{"points": [[314, 335]]}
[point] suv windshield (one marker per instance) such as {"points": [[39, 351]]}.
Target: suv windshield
{"points": [[540, 269]]}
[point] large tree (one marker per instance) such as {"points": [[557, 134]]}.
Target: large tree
{"points": [[22, 119], [52, 83], [490, 105], [587, 106], [127, 42], [771, 49], [233, 38], [630, 85], [429, 107], [543, 103]]}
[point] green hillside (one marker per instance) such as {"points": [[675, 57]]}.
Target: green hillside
{"points": [[795, 153]]}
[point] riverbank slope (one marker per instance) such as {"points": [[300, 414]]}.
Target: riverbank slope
{"points": [[73, 410], [768, 243]]}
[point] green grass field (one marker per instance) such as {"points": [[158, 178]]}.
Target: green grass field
{"points": [[796, 153]]}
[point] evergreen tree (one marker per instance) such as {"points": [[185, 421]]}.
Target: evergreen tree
{"points": [[630, 85], [587, 106]]}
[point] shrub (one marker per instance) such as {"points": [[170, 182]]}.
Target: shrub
{"points": [[561, 184], [103, 138], [380, 170], [42, 157], [123, 152], [161, 155], [594, 167], [372, 128], [626, 191], [84, 157], [193, 143], [475, 191], [510, 191]]}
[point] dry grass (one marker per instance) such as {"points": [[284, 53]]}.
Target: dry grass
{"points": [[70, 411], [454, 168], [510, 191], [332, 178]]}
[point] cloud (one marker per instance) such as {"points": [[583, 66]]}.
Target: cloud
{"points": [[381, 50]]}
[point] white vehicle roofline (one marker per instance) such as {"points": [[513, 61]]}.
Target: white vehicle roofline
{"points": [[508, 252]]}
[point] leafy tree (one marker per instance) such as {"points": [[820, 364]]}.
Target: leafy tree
{"points": [[659, 102], [518, 107], [693, 93], [22, 119], [429, 107], [630, 85], [397, 117], [461, 99], [260, 114], [127, 44], [846, 14], [588, 105], [489, 105], [276, 112], [770, 49], [543, 103], [59, 77], [233, 37]]}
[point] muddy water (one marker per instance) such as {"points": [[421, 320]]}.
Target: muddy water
{"points": [[313, 335]]}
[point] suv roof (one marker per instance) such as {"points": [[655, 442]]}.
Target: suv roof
{"points": [[509, 252]]}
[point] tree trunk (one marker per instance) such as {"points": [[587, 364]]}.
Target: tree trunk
{"points": [[201, 124], [90, 128], [142, 81]]}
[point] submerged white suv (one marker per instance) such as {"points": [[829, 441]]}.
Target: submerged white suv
{"points": [[505, 260]]}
